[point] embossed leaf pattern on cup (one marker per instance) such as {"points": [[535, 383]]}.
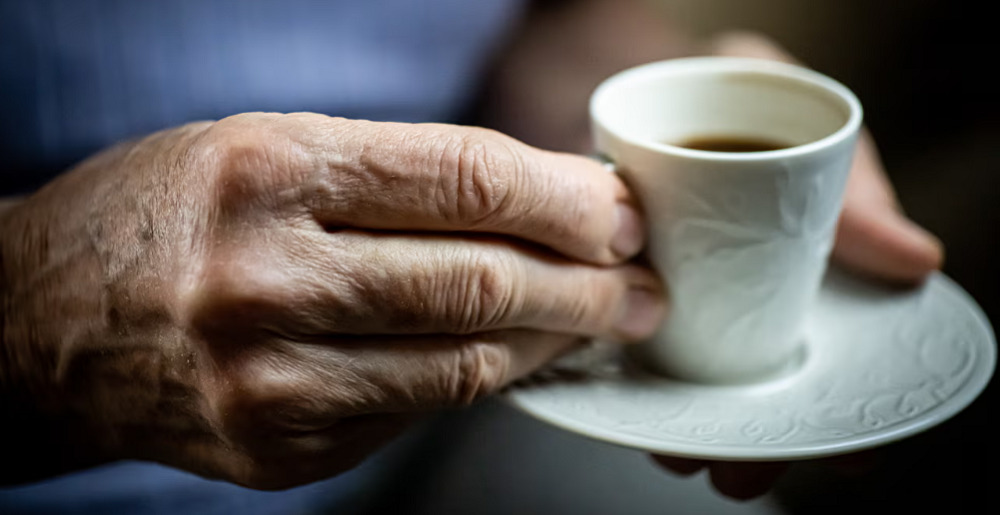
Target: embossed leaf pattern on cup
{"points": [[882, 364]]}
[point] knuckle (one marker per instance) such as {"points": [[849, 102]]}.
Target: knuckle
{"points": [[480, 370], [479, 170], [235, 295], [249, 158], [235, 283], [237, 143], [584, 205], [262, 401], [487, 293], [594, 305], [277, 387], [250, 394]]}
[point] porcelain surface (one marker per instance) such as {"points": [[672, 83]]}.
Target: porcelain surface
{"points": [[879, 365]]}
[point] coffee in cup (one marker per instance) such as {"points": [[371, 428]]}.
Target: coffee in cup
{"points": [[740, 166]]}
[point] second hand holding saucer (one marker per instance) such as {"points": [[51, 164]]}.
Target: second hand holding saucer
{"points": [[880, 365], [741, 240]]}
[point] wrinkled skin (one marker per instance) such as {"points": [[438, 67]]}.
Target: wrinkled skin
{"points": [[268, 298]]}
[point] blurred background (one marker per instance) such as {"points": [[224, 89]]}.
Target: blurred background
{"points": [[922, 69]]}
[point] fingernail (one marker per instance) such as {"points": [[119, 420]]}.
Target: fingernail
{"points": [[641, 314], [629, 232]]}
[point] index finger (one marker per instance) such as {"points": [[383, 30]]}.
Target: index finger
{"points": [[435, 177]]}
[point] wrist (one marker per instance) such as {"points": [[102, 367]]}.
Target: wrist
{"points": [[7, 204], [40, 437], [15, 334]]}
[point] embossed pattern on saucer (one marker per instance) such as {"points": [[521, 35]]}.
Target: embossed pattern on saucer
{"points": [[881, 365]]}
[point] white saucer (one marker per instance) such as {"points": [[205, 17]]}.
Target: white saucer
{"points": [[881, 365]]}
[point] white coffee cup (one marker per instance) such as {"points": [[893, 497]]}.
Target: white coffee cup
{"points": [[741, 239]]}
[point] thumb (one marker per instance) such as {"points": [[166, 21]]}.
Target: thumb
{"points": [[874, 237]]}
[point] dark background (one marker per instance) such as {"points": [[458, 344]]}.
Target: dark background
{"points": [[924, 71], [927, 82]]}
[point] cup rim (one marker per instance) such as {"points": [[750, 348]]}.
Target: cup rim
{"points": [[738, 64]]}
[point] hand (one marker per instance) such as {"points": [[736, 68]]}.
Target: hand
{"points": [[268, 298], [873, 238]]}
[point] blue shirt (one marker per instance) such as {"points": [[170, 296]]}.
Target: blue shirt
{"points": [[79, 75]]}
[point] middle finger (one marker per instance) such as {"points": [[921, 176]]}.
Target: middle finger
{"points": [[360, 283]]}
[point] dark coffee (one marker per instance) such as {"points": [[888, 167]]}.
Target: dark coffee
{"points": [[731, 144]]}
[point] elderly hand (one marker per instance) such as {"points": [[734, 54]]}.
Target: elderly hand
{"points": [[268, 298]]}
